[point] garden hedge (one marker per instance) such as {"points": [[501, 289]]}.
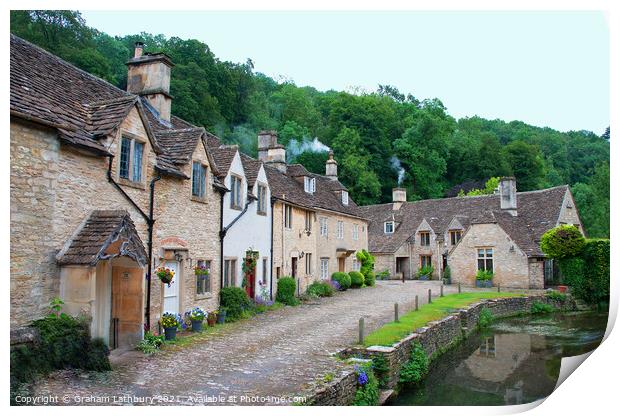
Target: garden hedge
{"points": [[320, 289], [343, 279], [357, 279], [369, 278], [235, 300], [286, 291]]}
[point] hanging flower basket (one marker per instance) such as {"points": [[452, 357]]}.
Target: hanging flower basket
{"points": [[165, 275]]}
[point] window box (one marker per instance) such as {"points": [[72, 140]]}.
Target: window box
{"points": [[484, 283]]}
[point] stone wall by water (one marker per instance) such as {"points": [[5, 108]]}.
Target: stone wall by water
{"points": [[435, 338]]}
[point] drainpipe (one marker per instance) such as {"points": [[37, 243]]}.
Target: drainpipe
{"points": [[273, 201]]}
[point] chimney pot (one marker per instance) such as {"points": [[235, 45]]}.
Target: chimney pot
{"points": [[270, 151], [331, 167], [139, 49], [508, 195], [399, 197]]}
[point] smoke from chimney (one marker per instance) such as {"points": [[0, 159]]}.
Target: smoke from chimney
{"points": [[396, 165]]}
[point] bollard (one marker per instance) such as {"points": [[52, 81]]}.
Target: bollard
{"points": [[498, 288], [361, 332], [396, 312], [416, 302], [441, 291], [459, 287], [429, 296]]}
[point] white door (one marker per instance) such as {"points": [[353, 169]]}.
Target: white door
{"points": [[171, 294]]}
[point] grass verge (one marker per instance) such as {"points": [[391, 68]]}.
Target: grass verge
{"points": [[392, 332]]}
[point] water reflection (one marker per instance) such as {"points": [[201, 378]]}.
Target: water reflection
{"points": [[515, 361]]}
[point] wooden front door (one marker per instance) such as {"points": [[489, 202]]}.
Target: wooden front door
{"points": [[171, 293], [127, 286], [341, 264]]}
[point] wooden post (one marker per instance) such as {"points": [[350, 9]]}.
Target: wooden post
{"points": [[429, 296], [459, 287], [396, 312], [361, 331], [441, 291], [416, 302], [498, 288]]}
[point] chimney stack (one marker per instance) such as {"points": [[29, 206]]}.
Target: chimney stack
{"points": [[508, 195], [270, 151], [331, 167], [399, 197], [149, 76]]}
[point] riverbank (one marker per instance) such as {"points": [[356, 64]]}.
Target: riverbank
{"points": [[435, 338]]}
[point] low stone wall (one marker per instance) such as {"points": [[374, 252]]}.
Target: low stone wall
{"points": [[435, 338]]}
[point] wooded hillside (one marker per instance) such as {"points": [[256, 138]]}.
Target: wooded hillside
{"points": [[380, 139]]}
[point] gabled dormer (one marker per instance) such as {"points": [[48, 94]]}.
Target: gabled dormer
{"points": [[309, 184]]}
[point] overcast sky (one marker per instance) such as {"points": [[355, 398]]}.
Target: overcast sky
{"points": [[544, 68]]}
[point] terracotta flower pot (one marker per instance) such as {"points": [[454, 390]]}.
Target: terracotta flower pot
{"points": [[562, 289]]}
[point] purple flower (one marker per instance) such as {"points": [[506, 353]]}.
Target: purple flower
{"points": [[362, 378], [335, 284]]}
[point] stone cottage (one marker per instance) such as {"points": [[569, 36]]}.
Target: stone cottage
{"points": [[106, 187], [316, 227], [499, 232], [247, 221]]}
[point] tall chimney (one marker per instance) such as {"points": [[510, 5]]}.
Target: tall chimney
{"points": [[508, 195], [331, 167], [270, 151], [149, 76], [399, 197]]}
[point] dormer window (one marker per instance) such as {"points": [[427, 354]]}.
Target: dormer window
{"points": [[131, 157], [309, 185], [235, 192], [388, 227], [345, 198]]}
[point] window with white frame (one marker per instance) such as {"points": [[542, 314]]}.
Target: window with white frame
{"points": [[388, 227], [235, 192], [323, 226], [199, 179], [356, 232], [309, 184], [485, 259], [324, 268], [308, 264], [340, 230], [345, 198], [131, 159], [357, 265], [261, 206], [288, 216]]}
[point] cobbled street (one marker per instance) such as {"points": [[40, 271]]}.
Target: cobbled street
{"points": [[275, 354]]}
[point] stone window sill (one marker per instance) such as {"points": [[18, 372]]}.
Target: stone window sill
{"points": [[203, 296], [132, 184], [235, 207], [263, 213], [202, 199]]}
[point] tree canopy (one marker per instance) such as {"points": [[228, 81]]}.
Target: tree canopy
{"points": [[373, 134]]}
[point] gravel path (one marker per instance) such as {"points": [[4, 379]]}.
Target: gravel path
{"points": [[256, 361]]}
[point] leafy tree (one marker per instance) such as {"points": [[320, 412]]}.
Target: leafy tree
{"points": [[526, 163], [562, 242]]}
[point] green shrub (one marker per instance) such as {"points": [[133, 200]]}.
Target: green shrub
{"points": [[357, 279], [484, 275], [369, 279], [151, 343], [425, 271], [485, 318], [343, 279], [557, 296], [286, 291], [236, 301], [588, 273], [416, 368], [366, 260], [367, 393], [65, 342], [384, 275], [562, 242], [539, 307], [447, 274], [381, 369], [320, 289]]}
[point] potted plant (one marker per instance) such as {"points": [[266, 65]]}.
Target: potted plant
{"points": [[196, 316], [171, 323], [221, 315], [425, 273], [447, 276], [484, 278], [211, 318], [165, 275], [201, 272]]}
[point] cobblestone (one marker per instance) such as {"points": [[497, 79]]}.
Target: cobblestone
{"points": [[276, 354]]}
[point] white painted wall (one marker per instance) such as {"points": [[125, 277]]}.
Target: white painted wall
{"points": [[251, 230]]}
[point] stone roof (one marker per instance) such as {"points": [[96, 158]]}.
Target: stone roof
{"points": [[105, 234], [538, 211], [251, 167], [223, 157], [288, 187], [84, 108]]}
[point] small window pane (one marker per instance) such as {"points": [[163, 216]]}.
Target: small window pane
{"points": [[480, 253], [489, 252], [138, 150], [124, 165]]}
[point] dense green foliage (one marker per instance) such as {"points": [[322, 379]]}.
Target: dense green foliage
{"points": [[381, 369], [425, 271], [236, 301], [151, 343], [320, 289], [373, 134], [286, 291], [556, 295], [65, 342], [588, 273], [343, 279], [539, 307], [357, 279], [484, 275], [562, 242], [370, 278], [367, 393], [416, 368], [485, 318]]}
